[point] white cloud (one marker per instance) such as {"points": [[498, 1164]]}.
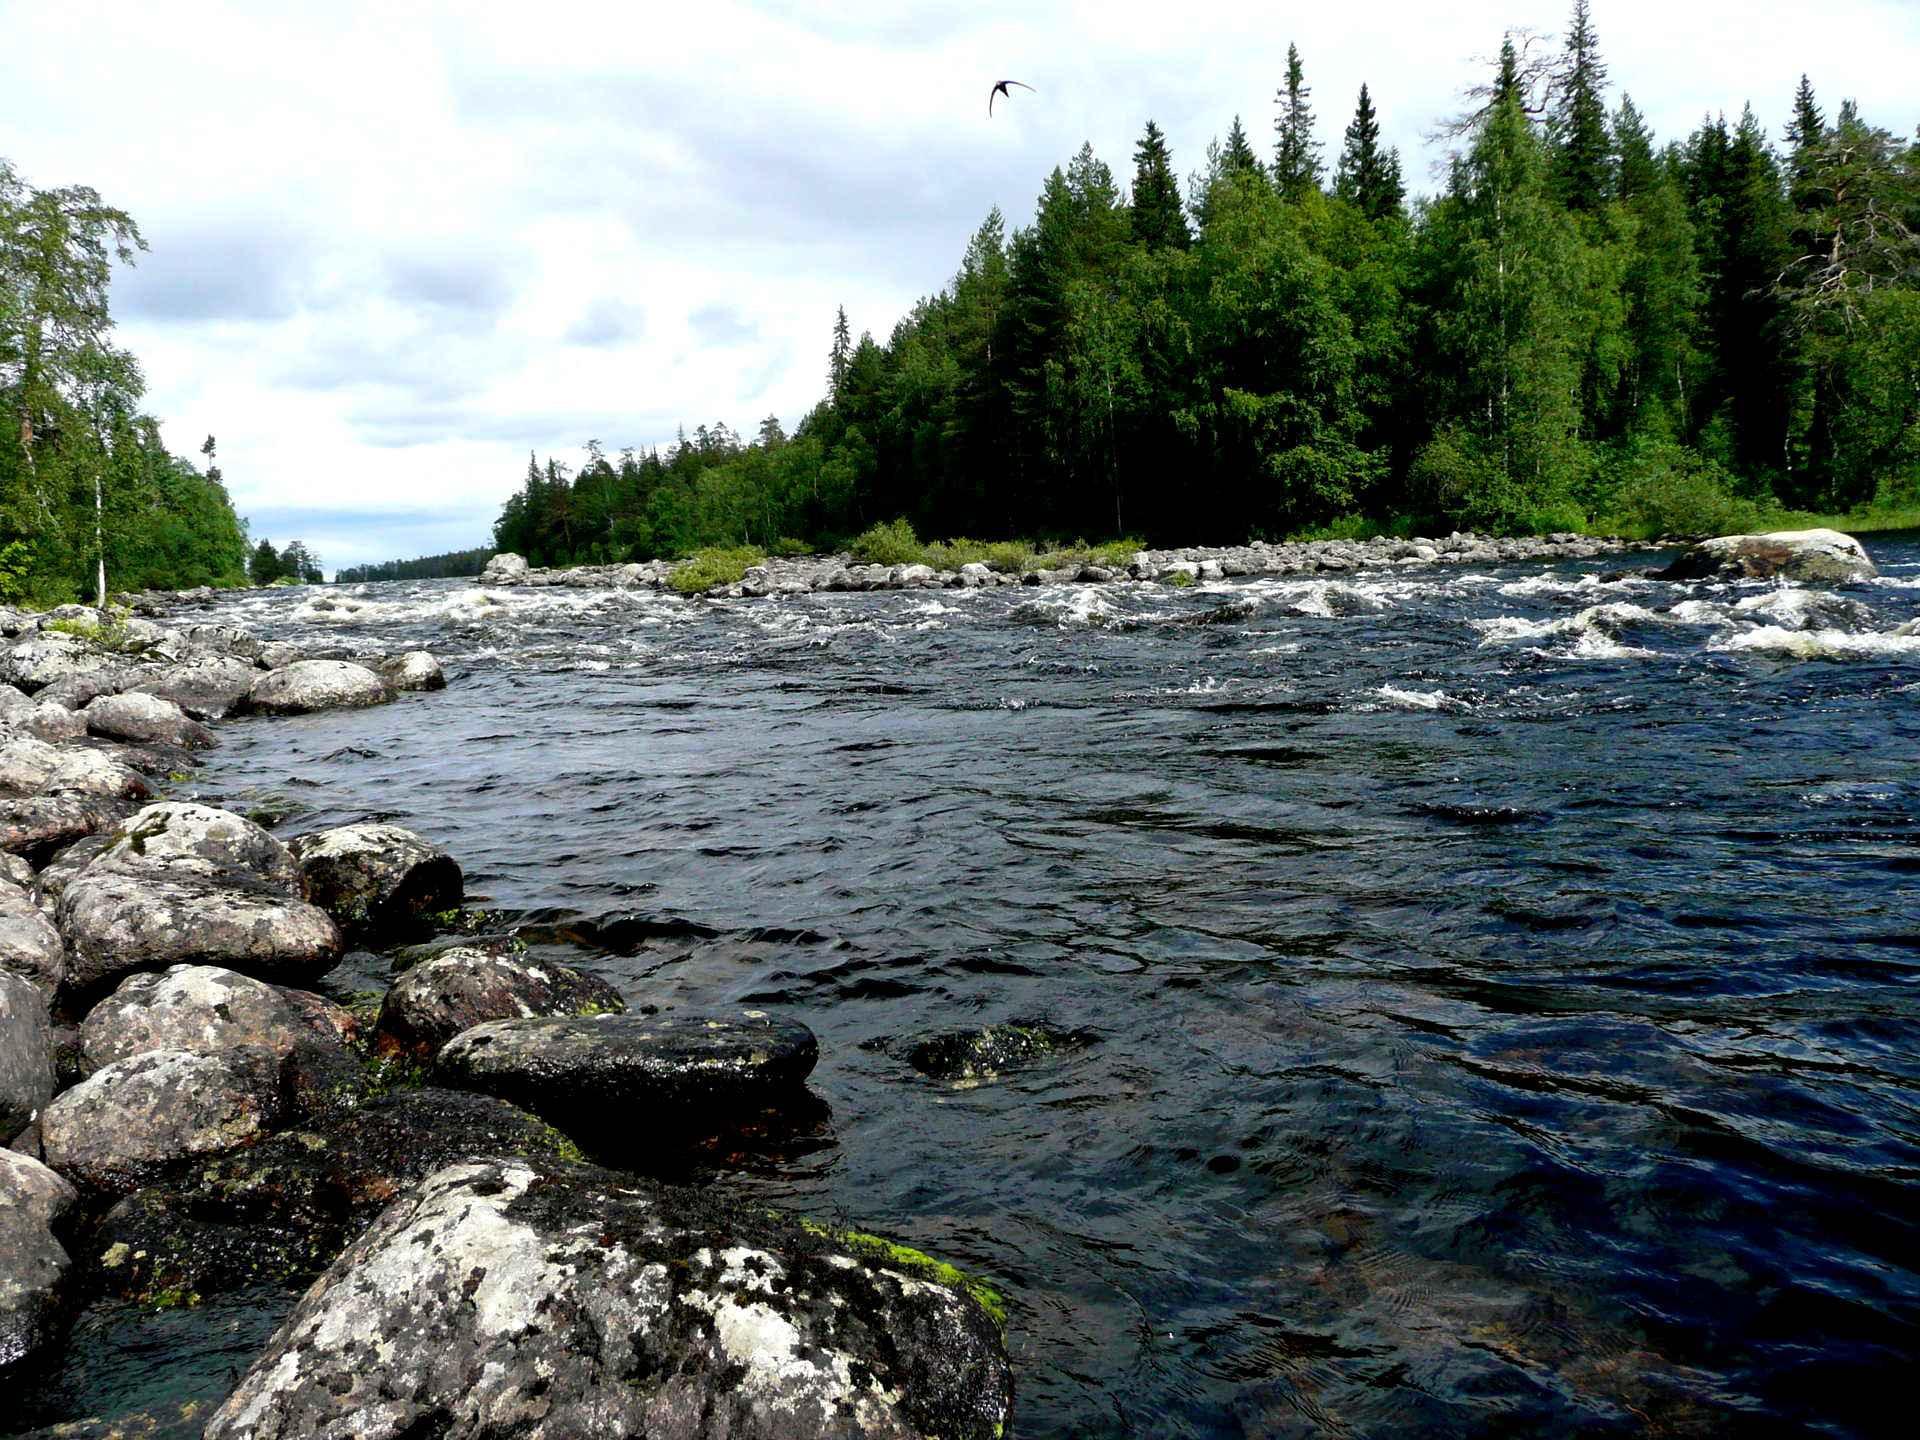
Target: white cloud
{"points": [[396, 247]]}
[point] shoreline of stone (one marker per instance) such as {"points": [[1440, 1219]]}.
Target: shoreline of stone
{"points": [[840, 572]]}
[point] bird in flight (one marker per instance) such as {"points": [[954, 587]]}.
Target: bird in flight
{"points": [[1001, 89]]}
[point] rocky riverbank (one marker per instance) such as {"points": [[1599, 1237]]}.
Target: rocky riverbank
{"points": [[184, 1117], [842, 572]]}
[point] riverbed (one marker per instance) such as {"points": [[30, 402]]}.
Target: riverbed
{"points": [[1491, 991]]}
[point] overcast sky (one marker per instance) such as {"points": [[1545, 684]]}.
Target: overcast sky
{"points": [[394, 246]]}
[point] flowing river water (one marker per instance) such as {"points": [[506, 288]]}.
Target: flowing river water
{"points": [[1494, 989]]}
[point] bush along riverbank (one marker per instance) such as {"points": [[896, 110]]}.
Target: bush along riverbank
{"points": [[454, 1175], [891, 558]]}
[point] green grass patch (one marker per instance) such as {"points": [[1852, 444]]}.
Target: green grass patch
{"points": [[111, 635], [705, 569], [895, 543]]}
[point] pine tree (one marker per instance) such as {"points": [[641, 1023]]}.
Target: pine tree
{"points": [[1367, 176], [1582, 152], [1296, 154], [1159, 220], [837, 358], [1238, 157]]}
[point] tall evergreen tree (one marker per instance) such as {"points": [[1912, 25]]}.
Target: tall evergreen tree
{"points": [[1368, 176], [1296, 154], [837, 357], [1159, 220], [1582, 151], [1238, 157], [1638, 171]]}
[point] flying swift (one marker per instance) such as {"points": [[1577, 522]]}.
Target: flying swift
{"points": [[1001, 89]]}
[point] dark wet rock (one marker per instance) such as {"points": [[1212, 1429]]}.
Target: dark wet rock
{"points": [[33, 767], [977, 1056], [505, 568], [38, 826], [207, 1009], [145, 719], [309, 685], [377, 877], [173, 838], [30, 946], [33, 1263], [207, 688], [280, 1211], [467, 986], [415, 670], [690, 1072], [124, 1126], [36, 663], [116, 923], [1801, 555], [554, 1302], [26, 1054]]}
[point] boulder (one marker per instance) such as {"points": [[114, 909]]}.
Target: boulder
{"points": [[36, 826], [689, 1073], [146, 720], [76, 692], [377, 877], [30, 947], [37, 663], [556, 1302], [46, 721], [15, 871], [174, 838], [1798, 555], [12, 702], [116, 923], [32, 766], [221, 640], [276, 653], [205, 1009], [463, 987], [26, 1054], [281, 1210], [309, 685], [206, 689], [415, 670], [505, 568], [124, 1126], [33, 1264]]}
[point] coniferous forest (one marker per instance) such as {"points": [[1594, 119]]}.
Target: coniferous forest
{"points": [[1589, 326], [85, 481]]}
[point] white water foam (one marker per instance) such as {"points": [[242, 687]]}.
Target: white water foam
{"points": [[1820, 644]]}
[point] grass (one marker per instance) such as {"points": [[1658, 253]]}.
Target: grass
{"points": [[895, 543], [705, 569], [113, 635]]}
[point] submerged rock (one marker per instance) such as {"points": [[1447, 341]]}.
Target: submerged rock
{"points": [[309, 685], [692, 1072], [463, 987], [205, 1009], [376, 876], [145, 719], [980, 1055], [26, 1054], [124, 1126], [33, 1263], [1802, 555], [555, 1302]]}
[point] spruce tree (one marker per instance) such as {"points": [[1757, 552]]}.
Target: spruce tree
{"points": [[1296, 154], [836, 358], [1367, 176], [1638, 171], [1159, 220], [1582, 153], [1238, 157]]}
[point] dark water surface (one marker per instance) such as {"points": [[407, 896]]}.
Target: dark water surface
{"points": [[1502, 983]]}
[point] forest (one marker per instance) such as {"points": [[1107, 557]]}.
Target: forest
{"points": [[424, 567], [1585, 328], [89, 496]]}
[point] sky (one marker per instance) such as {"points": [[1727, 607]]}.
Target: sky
{"points": [[395, 246]]}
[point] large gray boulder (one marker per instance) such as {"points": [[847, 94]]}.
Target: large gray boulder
{"points": [[126, 1125], [309, 685], [553, 1302], [686, 1072], [145, 720], [205, 1009], [37, 663], [75, 692], [30, 947], [26, 1054], [415, 670], [466, 986], [375, 876], [33, 1264], [45, 721], [180, 837], [208, 688], [37, 826], [30, 766], [1798, 555], [505, 568]]}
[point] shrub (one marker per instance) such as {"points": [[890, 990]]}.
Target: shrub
{"points": [[705, 569], [1660, 488], [788, 548], [892, 543]]}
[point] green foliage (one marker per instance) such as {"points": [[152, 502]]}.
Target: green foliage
{"points": [[708, 568], [1659, 488], [891, 543], [109, 634]]}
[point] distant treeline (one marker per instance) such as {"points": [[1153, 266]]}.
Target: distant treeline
{"points": [[426, 567], [1584, 328], [87, 490]]}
